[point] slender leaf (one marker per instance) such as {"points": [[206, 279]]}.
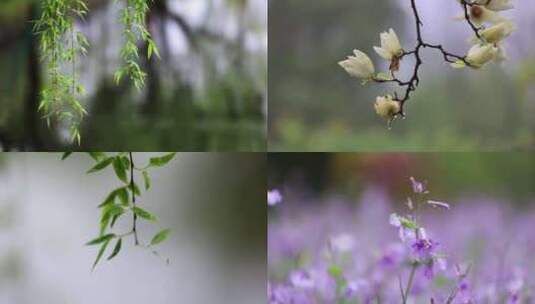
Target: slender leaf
{"points": [[120, 169], [101, 165], [101, 239], [109, 199], [144, 214], [65, 155], [116, 249], [146, 179], [101, 252], [161, 161], [135, 189], [122, 193], [114, 219], [160, 237], [97, 156]]}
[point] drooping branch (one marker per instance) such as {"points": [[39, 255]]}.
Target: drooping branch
{"points": [[132, 188]]}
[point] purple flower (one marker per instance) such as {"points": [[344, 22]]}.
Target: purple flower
{"points": [[354, 288], [301, 279], [287, 295], [464, 294], [418, 187], [423, 249], [274, 197]]}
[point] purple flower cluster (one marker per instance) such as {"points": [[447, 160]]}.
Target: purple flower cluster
{"points": [[479, 251]]}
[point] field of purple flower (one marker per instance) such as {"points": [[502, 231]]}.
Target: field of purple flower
{"points": [[473, 250]]}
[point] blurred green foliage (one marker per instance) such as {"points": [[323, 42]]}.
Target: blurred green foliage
{"points": [[315, 106], [506, 175]]}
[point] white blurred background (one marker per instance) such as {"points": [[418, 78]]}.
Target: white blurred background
{"points": [[214, 204]]}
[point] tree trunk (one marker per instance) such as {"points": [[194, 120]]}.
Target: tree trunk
{"points": [[32, 120]]}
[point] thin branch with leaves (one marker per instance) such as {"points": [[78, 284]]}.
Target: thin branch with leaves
{"points": [[62, 44], [122, 200]]}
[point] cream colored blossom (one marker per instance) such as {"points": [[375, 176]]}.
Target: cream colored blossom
{"points": [[478, 55], [359, 66], [386, 107], [498, 32], [496, 5], [390, 46], [479, 14]]}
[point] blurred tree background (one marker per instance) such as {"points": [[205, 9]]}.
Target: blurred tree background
{"points": [[315, 106], [208, 92], [452, 175]]}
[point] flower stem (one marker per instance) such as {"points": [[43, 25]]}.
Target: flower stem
{"points": [[409, 283]]}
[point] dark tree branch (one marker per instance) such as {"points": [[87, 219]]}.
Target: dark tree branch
{"points": [[412, 83], [466, 7], [132, 187]]}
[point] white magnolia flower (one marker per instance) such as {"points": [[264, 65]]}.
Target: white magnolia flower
{"points": [[496, 5], [359, 66], [386, 107], [390, 46], [479, 14], [478, 55], [498, 32]]}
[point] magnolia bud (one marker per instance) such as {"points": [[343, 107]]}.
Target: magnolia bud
{"points": [[386, 107], [478, 55], [498, 32], [390, 46], [496, 5], [359, 66]]}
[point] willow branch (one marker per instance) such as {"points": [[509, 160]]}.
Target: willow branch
{"points": [[132, 187]]}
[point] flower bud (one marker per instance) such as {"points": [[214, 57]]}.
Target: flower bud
{"points": [[496, 5], [359, 66], [498, 32], [386, 107], [479, 14], [390, 46], [478, 55]]}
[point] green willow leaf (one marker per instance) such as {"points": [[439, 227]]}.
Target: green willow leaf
{"points": [[109, 199], [114, 219], [97, 156], [116, 249], [101, 252], [144, 214], [113, 211], [161, 161], [101, 165], [160, 237], [135, 189], [120, 169], [146, 179], [65, 155], [101, 239], [122, 193]]}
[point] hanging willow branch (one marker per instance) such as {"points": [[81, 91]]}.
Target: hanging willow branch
{"points": [[133, 16], [61, 44], [124, 201]]}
